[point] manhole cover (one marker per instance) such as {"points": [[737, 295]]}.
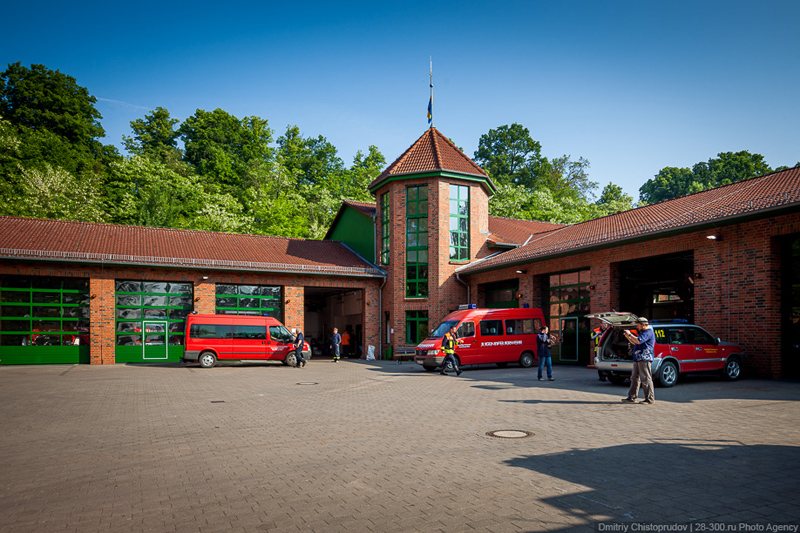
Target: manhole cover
{"points": [[509, 434], [308, 383]]}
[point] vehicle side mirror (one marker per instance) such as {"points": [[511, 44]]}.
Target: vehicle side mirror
{"points": [[719, 341]]}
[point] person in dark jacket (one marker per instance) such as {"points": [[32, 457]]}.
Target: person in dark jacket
{"points": [[336, 342], [299, 339], [449, 343], [543, 343]]}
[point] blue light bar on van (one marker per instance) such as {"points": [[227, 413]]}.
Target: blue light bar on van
{"points": [[462, 307]]}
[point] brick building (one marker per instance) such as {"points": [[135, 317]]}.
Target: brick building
{"points": [[727, 258]]}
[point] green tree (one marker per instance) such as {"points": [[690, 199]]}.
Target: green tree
{"points": [[147, 192], [49, 192], [38, 98], [222, 147], [155, 136], [727, 167], [314, 160], [613, 200], [510, 155]]}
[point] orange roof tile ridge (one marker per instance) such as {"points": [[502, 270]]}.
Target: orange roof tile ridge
{"points": [[468, 158], [156, 228]]}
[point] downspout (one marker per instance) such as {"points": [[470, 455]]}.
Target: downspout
{"points": [[380, 290], [464, 283]]}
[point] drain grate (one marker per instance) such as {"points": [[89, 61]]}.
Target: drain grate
{"points": [[307, 383], [509, 433]]}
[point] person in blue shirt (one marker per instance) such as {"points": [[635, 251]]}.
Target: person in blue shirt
{"points": [[643, 351], [543, 342], [336, 341]]}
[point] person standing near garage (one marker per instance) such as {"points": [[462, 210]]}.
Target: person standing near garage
{"points": [[543, 343], [643, 350], [449, 344], [336, 341], [300, 361]]}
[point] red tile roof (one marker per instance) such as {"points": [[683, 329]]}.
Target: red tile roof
{"points": [[515, 231], [368, 208], [774, 191], [26, 238], [432, 152], [502, 230]]}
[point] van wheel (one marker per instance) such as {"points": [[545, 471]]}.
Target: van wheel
{"points": [[526, 360], [733, 368], [290, 360], [207, 359], [429, 368], [668, 375], [502, 365]]}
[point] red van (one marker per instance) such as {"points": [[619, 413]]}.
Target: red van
{"points": [[499, 336], [212, 338]]}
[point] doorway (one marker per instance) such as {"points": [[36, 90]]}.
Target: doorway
{"points": [[327, 308], [660, 287], [155, 345]]}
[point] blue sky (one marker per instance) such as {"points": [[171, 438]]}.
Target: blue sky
{"points": [[632, 86]]}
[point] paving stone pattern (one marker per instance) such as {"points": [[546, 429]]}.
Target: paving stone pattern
{"points": [[384, 447]]}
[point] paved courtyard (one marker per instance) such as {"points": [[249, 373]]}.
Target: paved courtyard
{"points": [[385, 447]]}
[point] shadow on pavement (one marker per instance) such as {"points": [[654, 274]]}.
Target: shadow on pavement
{"points": [[573, 378], [675, 481]]}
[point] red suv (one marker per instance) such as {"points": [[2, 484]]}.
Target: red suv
{"points": [[680, 348]]}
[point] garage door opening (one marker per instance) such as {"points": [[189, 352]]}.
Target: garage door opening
{"points": [[660, 287], [328, 308]]}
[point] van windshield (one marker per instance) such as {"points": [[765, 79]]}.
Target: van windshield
{"points": [[443, 328]]}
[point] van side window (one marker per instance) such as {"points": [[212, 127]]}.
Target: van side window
{"points": [[520, 327], [698, 336], [491, 328], [467, 329], [211, 331], [280, 334], [676, 336], [250, 332]]}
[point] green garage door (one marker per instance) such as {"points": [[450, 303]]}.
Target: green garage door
{"points": [[43, 320], [151, 316]]}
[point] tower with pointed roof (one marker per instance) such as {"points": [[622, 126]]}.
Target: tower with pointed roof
{"points": [[432, 217]]}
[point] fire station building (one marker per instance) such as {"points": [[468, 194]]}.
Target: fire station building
{"points": [[727, 259]]}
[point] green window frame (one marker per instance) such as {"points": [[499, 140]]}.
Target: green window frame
{"points": [[140, 301], [459, 223], [385, 228], [416, 326], [261, 300], [44, 311], [417, 241], [568, 295]]}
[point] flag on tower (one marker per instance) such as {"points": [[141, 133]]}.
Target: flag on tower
{"points": [[430, 100]]}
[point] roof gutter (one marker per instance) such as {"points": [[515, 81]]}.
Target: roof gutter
{"points": [[274, 268], [627, 240]]}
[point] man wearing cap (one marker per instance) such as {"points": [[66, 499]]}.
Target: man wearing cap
{"points": [[643, 346]]}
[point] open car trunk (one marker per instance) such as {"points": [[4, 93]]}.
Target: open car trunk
{"points": [[615, 347]]}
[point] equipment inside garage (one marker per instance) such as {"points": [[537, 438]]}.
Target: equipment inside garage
{"points": [[660, 287], [328, 308]]}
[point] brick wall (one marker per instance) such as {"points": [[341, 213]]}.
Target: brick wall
{"points": [[445, 291], [102, 297], [737, 281]]}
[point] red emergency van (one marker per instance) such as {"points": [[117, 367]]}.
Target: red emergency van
{"points": [[498, 336], [212, 338]]}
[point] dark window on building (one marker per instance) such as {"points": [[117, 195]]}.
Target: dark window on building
{"points": [[37, 311], [417, 241], [459, 223], [385, 228], [491, 328], [260, 300], [164, 302], [416, 326], [569, 296]]}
